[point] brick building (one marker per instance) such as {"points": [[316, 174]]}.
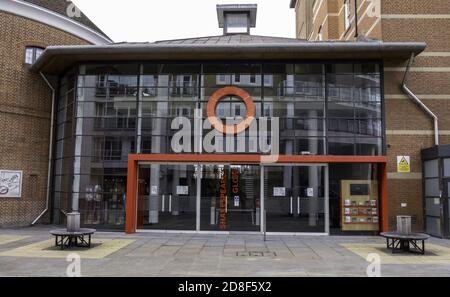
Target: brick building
{"points": [[339, 115], [409, 128], [26, 29]]}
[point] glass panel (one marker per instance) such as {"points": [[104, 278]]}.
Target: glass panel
{"points": [[432, 187], [433, 207], [230, 199], [447, 167], [368, 128], [103, 199], [431, 168], [341, 109], [110, 68], [295, 199], [368, 110], [341, 146], [434, 226], [167, 197], [310, 146]]}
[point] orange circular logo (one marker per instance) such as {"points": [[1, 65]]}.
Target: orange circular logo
{"points": [[215, 99]]}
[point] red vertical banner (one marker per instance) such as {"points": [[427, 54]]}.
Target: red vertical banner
{"points": [[223, 199]]}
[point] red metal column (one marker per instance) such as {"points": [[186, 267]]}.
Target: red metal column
{"points": [[384, 198], [131, 207]]}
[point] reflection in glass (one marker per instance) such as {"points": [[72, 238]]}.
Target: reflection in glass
{"points": [[295, 199], [230, 198], [167, 197]]}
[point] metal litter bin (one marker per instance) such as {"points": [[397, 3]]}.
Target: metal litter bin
{"points": [[404, 224]]}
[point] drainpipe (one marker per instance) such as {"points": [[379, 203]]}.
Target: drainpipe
{"points": [[419, 102], [50, 151], [356, 19]]}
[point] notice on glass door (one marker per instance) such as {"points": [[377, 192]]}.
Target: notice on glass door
{"points": [[182, 190], [279, 192]]}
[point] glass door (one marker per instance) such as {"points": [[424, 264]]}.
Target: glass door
{"points": [[230, 198], [167, 197], [446, 202], [296, 199]]}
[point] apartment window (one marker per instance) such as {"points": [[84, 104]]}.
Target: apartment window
{"points": [[221, 79], [237, 78], [268, 80], [32, 54], [347, 14], [253, 79], [113, 149]]}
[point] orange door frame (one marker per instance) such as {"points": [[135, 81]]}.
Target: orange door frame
{"points": [[133, 162]]}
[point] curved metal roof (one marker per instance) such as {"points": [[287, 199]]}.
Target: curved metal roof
{"points": [[60, 7]]}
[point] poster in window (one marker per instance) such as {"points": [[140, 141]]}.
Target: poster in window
{"points": [[10, 184]]}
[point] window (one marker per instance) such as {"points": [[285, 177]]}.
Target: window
{"points": [[32, 54], [237, 78], [221, 79], [113, 149], [253, 79], [347, 14], [268, 80]]}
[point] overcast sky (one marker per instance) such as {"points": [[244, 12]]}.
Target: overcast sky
{"points": [[152, 20]]}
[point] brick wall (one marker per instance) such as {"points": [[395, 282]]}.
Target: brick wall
{"points": [[25, 105], [409, 129]]}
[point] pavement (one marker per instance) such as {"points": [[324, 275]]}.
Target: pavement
{"points": [[31, 252]]}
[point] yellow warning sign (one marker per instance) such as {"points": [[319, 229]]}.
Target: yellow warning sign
{"points": [[403, 164]]}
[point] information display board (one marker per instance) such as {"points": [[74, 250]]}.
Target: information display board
{"points": [[360, 205]]}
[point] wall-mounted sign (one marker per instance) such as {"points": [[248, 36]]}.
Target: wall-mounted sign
{"points": [[279, 192], [154, 190], [310, 192], [10, 184], [182, 190], [403, 164]]}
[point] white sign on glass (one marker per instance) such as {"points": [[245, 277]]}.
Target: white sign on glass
{"points": [[154, 190], [279, 192], [182, 190], [10, 184], [310, 192]]}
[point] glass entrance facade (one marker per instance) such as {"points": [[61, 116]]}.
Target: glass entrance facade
{"points": [[228, 198], [108, 111]]}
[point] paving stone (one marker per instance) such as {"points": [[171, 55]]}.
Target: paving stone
{"points": [[154, 254]]}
